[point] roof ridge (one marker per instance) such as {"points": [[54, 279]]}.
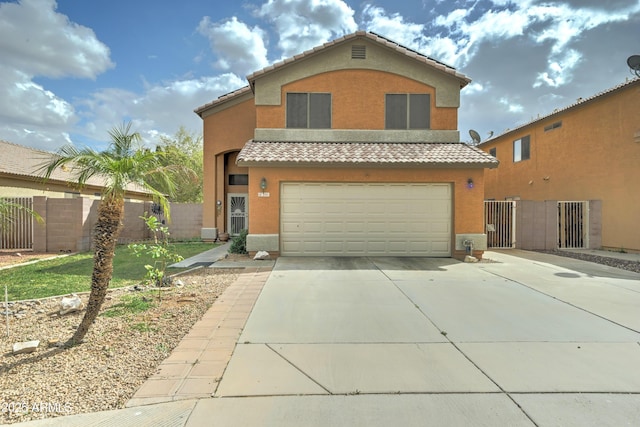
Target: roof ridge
{"points": [[2, 141], [580, 101]]}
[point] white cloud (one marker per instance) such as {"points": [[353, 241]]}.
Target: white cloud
{"points": [[159, 110], [239, 48], [304, 24], [511, 106], [395, 27], [474, 88], [559, 71], [41, 42], [36, 41], [456, 37]]}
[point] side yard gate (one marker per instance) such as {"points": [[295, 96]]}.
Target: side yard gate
{"points": [[573, 223], [17, 230], [545, 224], [500, 223]]}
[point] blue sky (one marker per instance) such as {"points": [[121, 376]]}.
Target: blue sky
{"points": [[70, 70]]}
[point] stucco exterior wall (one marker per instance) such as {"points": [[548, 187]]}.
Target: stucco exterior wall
{"points": [[380, 58], [594, 155], [15, 187], [350, 99], [225, 130]]}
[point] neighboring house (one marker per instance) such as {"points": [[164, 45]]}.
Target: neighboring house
{"points": [[19, 177], [348, 149], [588, 151]]}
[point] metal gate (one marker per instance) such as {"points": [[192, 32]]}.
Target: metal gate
{"points": [[573, 220], [16, 226], [238, 213], [500, 223]]}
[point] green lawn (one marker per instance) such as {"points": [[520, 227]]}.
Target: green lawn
{"points": [[73, 273]]}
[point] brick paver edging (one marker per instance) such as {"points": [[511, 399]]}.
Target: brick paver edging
{"points": [[195, 367]]}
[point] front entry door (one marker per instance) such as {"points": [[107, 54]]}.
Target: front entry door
{"points": [[238, 213]]}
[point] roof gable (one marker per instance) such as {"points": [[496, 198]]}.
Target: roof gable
{"points": [[441, 74], [368, 36]]}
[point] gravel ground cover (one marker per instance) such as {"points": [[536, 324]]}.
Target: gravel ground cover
{"points": [[133, 334], [608, 261]]}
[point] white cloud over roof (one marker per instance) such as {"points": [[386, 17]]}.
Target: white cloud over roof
{"points": [[525, 58]]}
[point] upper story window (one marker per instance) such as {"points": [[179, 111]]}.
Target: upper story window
{"points": [[407, 111], [553, 126], [521, 149], [309, 110], [493, 151]]}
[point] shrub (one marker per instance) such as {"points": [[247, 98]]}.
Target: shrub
{"points": [[239, 243]]}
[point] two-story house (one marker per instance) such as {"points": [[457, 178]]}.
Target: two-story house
{"points": [[348, 149], [585, 156]]}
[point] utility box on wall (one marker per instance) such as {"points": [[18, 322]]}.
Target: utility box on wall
{"points": [[479, 241]]}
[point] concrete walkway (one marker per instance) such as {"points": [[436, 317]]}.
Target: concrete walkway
{"points": [[524, 339]]}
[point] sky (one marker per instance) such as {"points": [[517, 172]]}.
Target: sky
{"points": [[72, 70]]}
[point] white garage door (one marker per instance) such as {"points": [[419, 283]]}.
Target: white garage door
{"points": [[349, 219]]}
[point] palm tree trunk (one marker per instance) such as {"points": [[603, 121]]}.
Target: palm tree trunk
{"points": [[106, 232]]}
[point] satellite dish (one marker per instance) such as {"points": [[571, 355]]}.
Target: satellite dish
{"points": [[634, 64], [475, 136], [490, 134]]}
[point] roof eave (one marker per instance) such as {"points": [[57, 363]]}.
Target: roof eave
{"points": [[380, 165]]}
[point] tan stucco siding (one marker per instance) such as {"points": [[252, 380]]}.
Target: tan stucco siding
{"points": [[592, 156], [377, 58], [356, 105], [225, 131], [265, 211]]}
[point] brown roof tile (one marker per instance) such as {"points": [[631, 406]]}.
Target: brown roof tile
{"points": [[401, 154], [25, 163]]}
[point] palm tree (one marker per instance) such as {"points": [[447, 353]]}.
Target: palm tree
{"points": [[124, 163]]}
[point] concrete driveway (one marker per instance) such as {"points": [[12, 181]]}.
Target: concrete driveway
{"points": [[379, 341]]}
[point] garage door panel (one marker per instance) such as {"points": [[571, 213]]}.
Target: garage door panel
{"points": [[440, 227], [365, 219]]}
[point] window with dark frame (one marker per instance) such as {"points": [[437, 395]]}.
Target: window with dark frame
{"points": [[493, 152], [521, 149], [309, 110], [239, 179], [553, 126], [407, 111]]}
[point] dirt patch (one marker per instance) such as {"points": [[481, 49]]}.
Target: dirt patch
{"points": [[11, 257], [121, 350]]}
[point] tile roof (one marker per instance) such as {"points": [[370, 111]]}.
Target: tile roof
{"points": [[365, 153], [578, 103], [24, 162], [376, 38], [222, 98]]}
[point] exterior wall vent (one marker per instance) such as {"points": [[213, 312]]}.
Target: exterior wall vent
{"points": [[358, 52]]}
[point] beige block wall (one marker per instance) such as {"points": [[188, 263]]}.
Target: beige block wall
{"points": [[68, 223], [186, 220]]}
